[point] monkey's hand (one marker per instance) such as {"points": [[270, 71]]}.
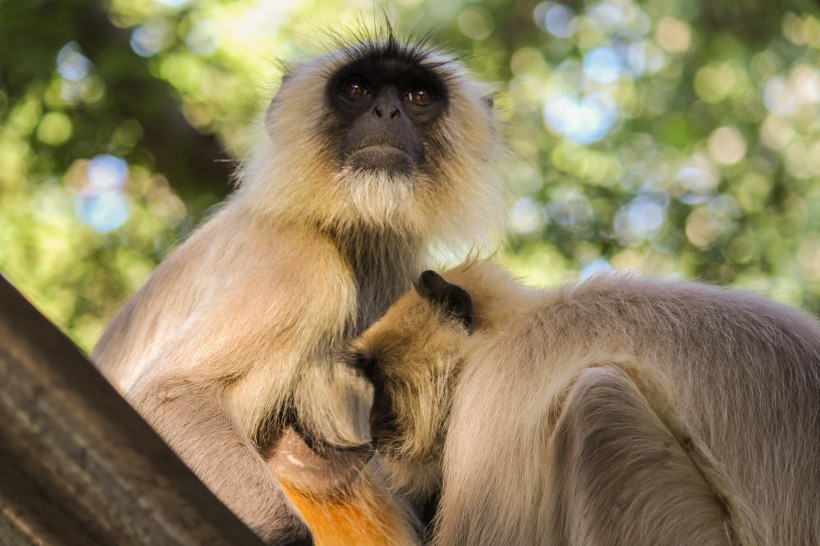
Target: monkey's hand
{"points": [[194, 421], [334, 402]]}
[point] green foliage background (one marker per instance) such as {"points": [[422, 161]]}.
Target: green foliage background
{"points": [[672, 138]]}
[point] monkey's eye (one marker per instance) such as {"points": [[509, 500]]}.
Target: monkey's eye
{"points": [[355, 88], [420, 94]]}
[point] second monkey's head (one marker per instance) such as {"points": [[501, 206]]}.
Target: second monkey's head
{"points": [[381, 134]]}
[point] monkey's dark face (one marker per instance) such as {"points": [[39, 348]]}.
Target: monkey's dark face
{"points": [[385, 134], [386, 109]]}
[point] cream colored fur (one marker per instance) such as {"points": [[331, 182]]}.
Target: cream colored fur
{"points": [[240, 326], [617, 411]]}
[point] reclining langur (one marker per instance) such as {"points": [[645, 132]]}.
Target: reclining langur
{"points": [[376, 151], [617, 411]]}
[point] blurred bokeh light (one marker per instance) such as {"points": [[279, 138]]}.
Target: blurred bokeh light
{"points": [[671, 138]]}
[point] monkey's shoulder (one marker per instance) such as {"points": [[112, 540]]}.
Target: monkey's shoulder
{"points": [[233, 251], [267, 275]]}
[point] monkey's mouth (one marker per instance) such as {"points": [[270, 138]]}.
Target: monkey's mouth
{"points": [[381, 158]]}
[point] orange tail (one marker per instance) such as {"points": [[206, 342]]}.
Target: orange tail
{"points": [[365, 515]]}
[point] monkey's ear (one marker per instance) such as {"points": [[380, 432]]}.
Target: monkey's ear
{"points": [[452, 299]]}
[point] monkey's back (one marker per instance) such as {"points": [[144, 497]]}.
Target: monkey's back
{"points": [[734, 376]]}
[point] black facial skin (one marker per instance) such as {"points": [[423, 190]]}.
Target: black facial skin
{"points": [[386, 108]]}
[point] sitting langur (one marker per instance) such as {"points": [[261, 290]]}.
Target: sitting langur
{"points": [[618, 411], [376, 151]]}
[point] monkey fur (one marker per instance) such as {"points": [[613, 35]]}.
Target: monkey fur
{"points": [[617, 411], [376, 151]]}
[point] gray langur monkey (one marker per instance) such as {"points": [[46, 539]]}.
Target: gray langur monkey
{"points": [[376, 151], [616, 411]]}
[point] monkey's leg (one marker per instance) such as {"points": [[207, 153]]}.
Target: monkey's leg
{"points": [[619, 477], [194, 421]]}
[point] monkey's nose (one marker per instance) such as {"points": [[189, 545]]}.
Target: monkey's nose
{"points": [[380, 110]]}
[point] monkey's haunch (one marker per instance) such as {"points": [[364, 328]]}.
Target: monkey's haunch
{"points": [[615, 411]]}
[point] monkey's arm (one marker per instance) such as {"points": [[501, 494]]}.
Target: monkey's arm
{"points": [[186, 389], [223, 342], [222, 380], [194, 420]]}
